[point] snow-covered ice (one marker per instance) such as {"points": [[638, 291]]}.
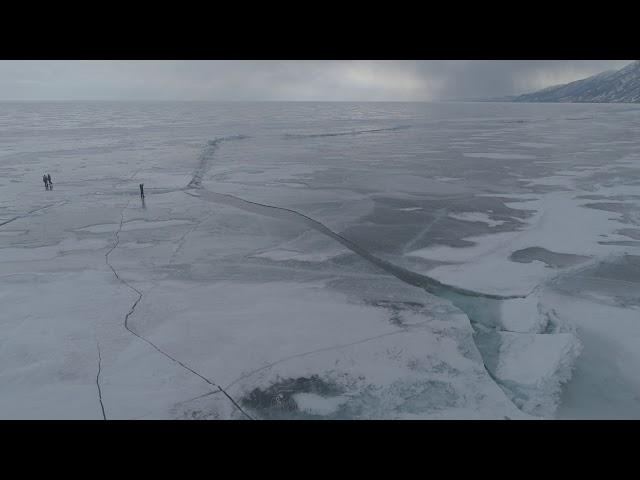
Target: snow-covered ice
{"points": [[306, 294]]}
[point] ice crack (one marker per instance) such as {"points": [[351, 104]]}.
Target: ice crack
{"points": [[140, 295], [104, 415]]}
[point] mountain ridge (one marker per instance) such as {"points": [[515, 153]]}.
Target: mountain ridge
{"points": [[612, 86]]}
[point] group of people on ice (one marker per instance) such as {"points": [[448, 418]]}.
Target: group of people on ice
{"points": [[46, 178], [48, 184]]}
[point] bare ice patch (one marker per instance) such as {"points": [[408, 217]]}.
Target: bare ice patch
{"points": [[284, 254], [484, 244], [476, 217]]}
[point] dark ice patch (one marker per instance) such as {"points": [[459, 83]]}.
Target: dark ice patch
{"points": [[618, 198], [615, 281], [276, 402], [617, 207], [552, 259], [628, 211], [392, 229], [630, 232], [397, 309]]}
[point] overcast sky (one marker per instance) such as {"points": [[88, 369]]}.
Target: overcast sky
{"points": [[333, 80]]}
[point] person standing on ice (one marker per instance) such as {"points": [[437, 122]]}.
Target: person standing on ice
{"points": [[46, 181], [142, 190], [49, 179]]}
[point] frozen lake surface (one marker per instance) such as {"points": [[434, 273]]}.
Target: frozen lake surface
{"points": [[319, 260]]}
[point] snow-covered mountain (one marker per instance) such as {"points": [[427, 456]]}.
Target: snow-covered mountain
{"points": [[619, 86]]}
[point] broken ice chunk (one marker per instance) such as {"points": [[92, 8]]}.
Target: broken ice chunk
{"points": [[523, 315], [533, 367]]}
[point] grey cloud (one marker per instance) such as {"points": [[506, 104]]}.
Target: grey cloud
{"points": [[285, 80]]}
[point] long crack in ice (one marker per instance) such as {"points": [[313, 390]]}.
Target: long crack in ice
{"points": [[429, 284], [140, 295]]}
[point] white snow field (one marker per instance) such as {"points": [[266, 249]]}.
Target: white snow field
{"points": [[319, 261]]}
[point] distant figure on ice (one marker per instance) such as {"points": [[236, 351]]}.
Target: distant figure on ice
{"points": [[142, 190], [46, 181], [49, 179]]}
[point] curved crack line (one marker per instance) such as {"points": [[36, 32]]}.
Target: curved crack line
{"points": [[347, 133], [117, 238], [182, 239], [319, 350], [403, 329], [132, 175], [605, 279], [181, 402], [425, 282], [208, 394], [428, 284], [180, 243], [104, 415], [32, 212], [144, 339]]}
